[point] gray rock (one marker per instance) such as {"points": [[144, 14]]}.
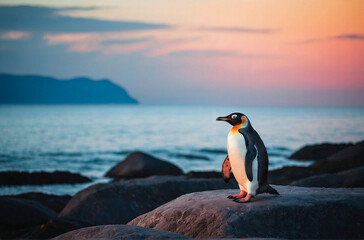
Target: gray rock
{"points": [[318, 151], [118, 232], [347, 179], [296, 213], [55, 227], [18, 216], [40, 178], [206, 174], [54, 202], [22, 212], [123, 200], [347, 158], [286, 175], [138, 165]]}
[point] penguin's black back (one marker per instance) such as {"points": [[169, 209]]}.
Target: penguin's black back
{"points": [[261, 152], [251, 135]]}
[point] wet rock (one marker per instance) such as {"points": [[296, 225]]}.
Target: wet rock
{"points": [[318, 151], [286, 175], [54, 202], [198, 174], [353, 178], [22, 212], [16, 214], [55, 227], [123, 200], [296, 213], [119, 232], [40, 178], [139, 165], [350, 157]]}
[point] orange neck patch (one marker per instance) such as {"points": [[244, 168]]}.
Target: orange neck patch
{"points": [[235, 129]]}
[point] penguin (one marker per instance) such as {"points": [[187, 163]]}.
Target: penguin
{"points": [[247, 158]]}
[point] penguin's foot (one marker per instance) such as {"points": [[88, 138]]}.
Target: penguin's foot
{"points": [[237, 196], [245, 199]]}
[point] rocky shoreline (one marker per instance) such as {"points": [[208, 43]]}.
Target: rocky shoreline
{"points": [[195, 204], [340, 168], [9, 178]]}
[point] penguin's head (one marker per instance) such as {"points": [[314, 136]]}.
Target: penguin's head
{"points": [[235, 119]]}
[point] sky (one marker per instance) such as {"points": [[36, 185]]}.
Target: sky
{"points": [[226, 52]]}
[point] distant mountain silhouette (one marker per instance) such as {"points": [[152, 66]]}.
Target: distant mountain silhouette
{"points": [[31, 89]]}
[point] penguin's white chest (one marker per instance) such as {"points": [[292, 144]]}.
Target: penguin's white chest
{"points": [[237, 151]]}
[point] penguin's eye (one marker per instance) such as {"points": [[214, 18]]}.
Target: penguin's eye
{"points": [[233, 116]]}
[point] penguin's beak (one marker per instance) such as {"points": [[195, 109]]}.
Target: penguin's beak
{"points": [[222, 119]]}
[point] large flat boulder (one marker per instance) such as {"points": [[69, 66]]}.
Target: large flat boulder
{"points": [[345, 179], [318, 151], [118, 232], [40, 178], [121, 201], [139, 165], [350, 157], [296, 213]]}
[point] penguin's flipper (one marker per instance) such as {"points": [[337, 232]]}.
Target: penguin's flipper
{"points": [[226, 167], [251, 153]]}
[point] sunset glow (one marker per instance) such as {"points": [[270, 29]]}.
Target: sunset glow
{"points": [[262, 46]]}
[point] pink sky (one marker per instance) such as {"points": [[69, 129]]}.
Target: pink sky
{"points": [[263, 46]]}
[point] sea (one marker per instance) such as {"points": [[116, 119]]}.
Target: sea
{"points": [[91, 139]]}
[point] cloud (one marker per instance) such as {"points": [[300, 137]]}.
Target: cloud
{"points": [[126, 41], [336, 37], [213, 53], [14, 35], [238, 30], [32, 18], [111, 37], [112, 43], [107, 43], [349, 36]]}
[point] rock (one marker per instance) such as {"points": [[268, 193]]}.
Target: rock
{"points": [[55, 227], [40, 178], [347, 158], [318, 151], [191, 156], [209, 174], [118, 232], [197, 174], [347, 179], [16, 214], [22, 212], [139, 165], [54, 202], [286, 175], [123, 200], [296, 213]]}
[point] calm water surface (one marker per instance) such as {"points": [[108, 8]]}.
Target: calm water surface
{"points": [[91, 139]]}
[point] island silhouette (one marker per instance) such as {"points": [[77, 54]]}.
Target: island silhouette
{"points": [[34, 89]]}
